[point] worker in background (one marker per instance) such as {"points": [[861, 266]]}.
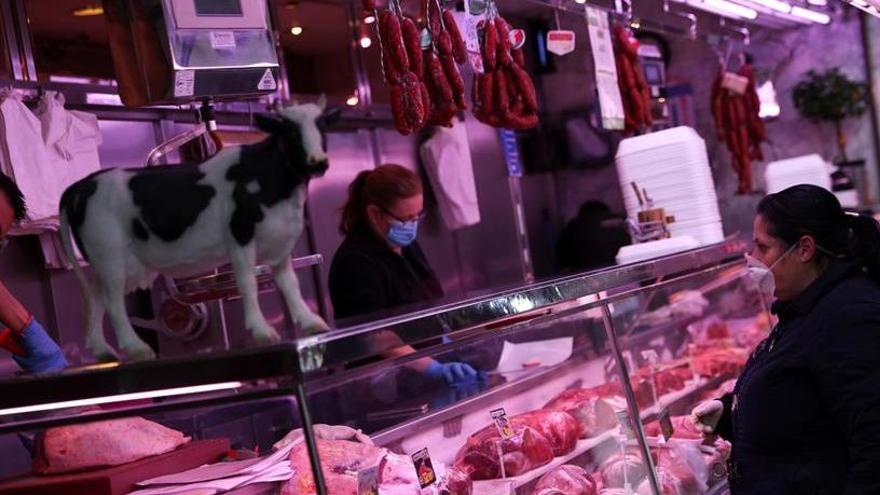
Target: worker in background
{"points": [[805, 414], [592, 240], [21, 333], [380, 266]]}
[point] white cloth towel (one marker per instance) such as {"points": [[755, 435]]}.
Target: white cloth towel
{"points": [[447, 159]]}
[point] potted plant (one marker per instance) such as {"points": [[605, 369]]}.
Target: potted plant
{"points": [[831, 97]]}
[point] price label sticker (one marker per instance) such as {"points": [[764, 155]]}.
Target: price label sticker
{"points": [[223, 40], [665, 421], [499, 416], [184, 83], [517, 38], [626, 425], [368, 481], [424, 468], [560, 42], [651, 356]]}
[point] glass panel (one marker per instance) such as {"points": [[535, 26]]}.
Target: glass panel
{"points": [[69, 45], [684, 341]]}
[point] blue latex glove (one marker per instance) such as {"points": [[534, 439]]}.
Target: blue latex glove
{"points": [[43, 354], [452, 373]]}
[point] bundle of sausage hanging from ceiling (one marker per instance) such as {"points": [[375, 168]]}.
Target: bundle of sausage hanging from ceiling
{"points": [[426, 85], [503, 95], [738, 124], [634, 89]]}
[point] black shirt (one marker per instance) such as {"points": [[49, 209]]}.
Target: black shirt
{"points": [[805, 414], [368, 278]]}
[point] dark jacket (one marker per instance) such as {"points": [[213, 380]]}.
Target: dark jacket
{"points": [[804, 417], [368, 278]]}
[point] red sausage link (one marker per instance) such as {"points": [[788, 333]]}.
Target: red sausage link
{"points": [[525, 86], [459, 49], [503, 52], [393, 37], [490, 45], [397, 109], [413, 45], [456, 82]]}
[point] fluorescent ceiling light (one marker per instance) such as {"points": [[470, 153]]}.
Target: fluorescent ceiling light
{"points": [[776, 5], [152, 394], [724, 8], [811, 15], [820, 3]]}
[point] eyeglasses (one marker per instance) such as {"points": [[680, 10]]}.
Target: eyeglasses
{"points": [[418, 218]]}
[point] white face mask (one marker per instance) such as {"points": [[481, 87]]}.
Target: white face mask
{"points": [[763, 274]]}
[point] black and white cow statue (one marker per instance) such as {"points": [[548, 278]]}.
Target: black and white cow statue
{"points": [[243, 206]]}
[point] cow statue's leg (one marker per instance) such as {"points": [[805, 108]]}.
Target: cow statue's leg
{"points": [[96, 343], [112, 280], [300, 313], [243, 261]]}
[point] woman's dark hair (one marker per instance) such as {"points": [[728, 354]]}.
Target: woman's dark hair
{"points": [[813, 211], [16, 198], [382, 186]]}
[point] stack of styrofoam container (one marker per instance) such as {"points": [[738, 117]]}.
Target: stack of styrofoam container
{"points": [[807, 169], [673, 167]]}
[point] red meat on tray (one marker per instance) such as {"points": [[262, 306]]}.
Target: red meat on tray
{"points": [[594, 414], [560, 428], [527, 449], [566, 480], [612, 470]]}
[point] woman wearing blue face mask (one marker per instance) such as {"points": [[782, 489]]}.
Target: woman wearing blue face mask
{"points": [[805, 414], [380, 266]]}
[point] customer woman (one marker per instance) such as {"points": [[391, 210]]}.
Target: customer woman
{"points": [[380, 266], [804, 417]]}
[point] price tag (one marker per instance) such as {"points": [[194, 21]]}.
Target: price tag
{"points": [[560, 42], [517, 38], [368, 481], [626, 425], [474, 15], [223, 40], [502, 423], [424, 468], [665, 423], [605, 66], [651, 356]]}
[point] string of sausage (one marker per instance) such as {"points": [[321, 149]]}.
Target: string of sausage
{"points": [[738, 124], [634, 89], [504, 95]]}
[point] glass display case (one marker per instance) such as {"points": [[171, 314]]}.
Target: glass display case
{"points": [[586, 380]]}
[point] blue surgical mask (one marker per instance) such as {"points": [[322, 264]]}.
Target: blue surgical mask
{"points": [[402, 234]]}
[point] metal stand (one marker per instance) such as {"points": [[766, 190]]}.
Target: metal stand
{"points": [[632, 405], [309, 435]]}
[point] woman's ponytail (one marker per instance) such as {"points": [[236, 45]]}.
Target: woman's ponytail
{"points": [[355, 207], [866, 244]]}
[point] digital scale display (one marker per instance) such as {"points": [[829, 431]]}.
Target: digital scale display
{"points": [[218, 8]]}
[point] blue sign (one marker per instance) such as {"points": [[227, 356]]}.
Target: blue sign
{"points": [[510, 148]]}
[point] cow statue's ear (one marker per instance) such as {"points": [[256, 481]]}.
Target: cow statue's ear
{"points": [[268, 123], [322, 102]]}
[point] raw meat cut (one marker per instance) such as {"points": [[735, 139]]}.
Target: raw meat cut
{"points": [[340, 462], [716, 460], [612, 470], [103, 443], [456, 482], [560, 428], [683, 425], [674, 462], [669, 484], [527, 449], [594, 414], [727, 361], [566, 480]]}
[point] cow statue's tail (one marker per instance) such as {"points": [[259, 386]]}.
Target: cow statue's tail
{"points": [[72, 260]]}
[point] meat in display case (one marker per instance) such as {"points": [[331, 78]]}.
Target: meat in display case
{"points": [[576, 386]]}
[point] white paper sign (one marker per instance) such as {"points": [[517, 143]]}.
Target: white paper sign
{"points": [[560, 42], [544, 353], [602, 49]]}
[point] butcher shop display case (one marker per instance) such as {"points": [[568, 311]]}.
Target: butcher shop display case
{"points": [[578, 385]]}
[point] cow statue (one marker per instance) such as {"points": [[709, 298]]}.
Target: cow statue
{"points": [[243, 206]]}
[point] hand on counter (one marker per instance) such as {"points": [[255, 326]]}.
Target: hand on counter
{"points": [[451, 373], [42, 353]]}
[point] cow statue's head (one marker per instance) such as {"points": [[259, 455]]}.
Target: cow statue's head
{"points": [[300, 130]]}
